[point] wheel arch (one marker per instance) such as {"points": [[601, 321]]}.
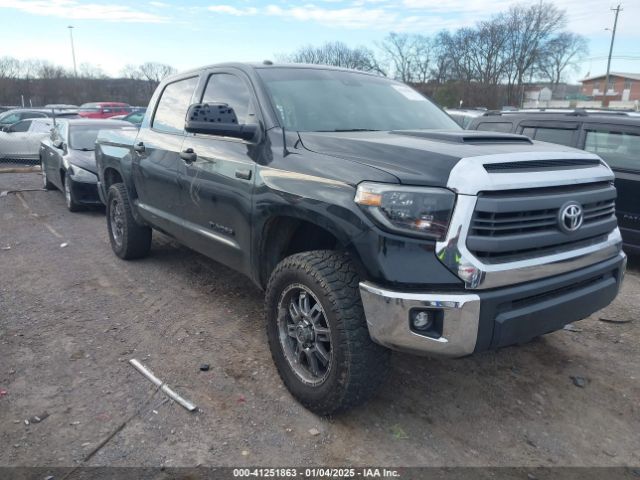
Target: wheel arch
{"points": [[283, 235]]}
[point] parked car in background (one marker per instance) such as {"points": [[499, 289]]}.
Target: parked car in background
{"points": [[103, 109], [463, 117], [21, 141], [615, 136], [60, 106], [4, 108], [13, 116], [66, 157]]}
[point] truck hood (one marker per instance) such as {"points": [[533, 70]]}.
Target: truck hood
{"points": [[420, 157]]}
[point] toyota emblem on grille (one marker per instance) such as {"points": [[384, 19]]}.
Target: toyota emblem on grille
{"points": [[570, 217]]}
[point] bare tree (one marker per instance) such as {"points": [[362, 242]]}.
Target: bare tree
{"points": [[442, 61], [398, 50], [131, 71], [561, 53], [529, 26], [87, 70], [155, 72], [336, 54], [9, 67], [423, 53]]}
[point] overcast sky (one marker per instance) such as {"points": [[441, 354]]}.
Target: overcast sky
{"points": [[190, 33]]}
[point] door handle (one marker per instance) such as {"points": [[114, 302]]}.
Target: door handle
{"points": [[188, 155], [139, 147], [243, 173]]}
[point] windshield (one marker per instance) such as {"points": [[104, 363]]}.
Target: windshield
{"points": [[330, 100], [83, 137]]}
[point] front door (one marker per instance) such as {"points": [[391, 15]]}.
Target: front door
{"points": [[218, 184], [156, 157]]}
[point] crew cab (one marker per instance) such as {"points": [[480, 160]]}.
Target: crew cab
{"points": [[369, 217]]}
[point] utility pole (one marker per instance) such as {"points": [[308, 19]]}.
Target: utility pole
{"points": [[618, 9], [73, 51]]}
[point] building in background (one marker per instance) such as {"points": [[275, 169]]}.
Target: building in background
{"points": [[623, 90]]}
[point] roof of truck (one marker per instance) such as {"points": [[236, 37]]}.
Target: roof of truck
{"points": [[268, 64]]}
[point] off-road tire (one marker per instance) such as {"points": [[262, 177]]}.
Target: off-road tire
{"points": [[135, 239], [358, 365]]}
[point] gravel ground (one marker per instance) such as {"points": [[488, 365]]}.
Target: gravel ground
{"points": [[71, 317]]}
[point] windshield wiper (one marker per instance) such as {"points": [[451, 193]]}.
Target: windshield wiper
{"points": [[350, 130], [86, 149]]}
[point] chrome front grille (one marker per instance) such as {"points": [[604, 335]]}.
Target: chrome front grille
{"points": [[518, 224]]}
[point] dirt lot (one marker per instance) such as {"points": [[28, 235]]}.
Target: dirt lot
{"points": [[71, 317]]}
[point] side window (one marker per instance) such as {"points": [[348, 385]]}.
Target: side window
{"points": [[106, 110], [13, 118], [32, 115], [529, 131], [22, 126], [618, 149], [40, 127], [172, 107], [229, 89], [504, 127], [561, 136]]}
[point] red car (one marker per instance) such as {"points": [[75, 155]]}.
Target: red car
{"points": [[103, 109]]}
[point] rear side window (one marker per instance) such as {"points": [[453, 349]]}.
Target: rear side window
{"points": [[21, 126], [618, 149], [229, 89], [561, 136], [33, 115], [40, 127], [173, 106], [504, 127]]}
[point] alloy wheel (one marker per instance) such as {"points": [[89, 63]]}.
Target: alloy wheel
{"points": [[67, 191], [116, 219], [305, 336]]}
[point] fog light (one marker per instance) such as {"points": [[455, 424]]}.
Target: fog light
{"points": [[422, 321]]}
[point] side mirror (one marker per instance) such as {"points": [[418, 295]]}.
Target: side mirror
{"points": [[58, 144], [217, 119]]}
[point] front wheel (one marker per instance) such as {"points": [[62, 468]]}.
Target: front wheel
{"points": [[46, 184], [318, 334], [72, 205], [128, 238]]}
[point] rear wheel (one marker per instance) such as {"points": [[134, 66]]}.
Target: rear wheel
{"points": [[128, 238], [318, 334], [72, 205]]}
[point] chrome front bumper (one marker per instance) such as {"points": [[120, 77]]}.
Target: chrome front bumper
{"points": [[387, 314], [549, 304]]}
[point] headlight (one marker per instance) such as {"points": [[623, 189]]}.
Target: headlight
{"points": [[416, 211], [81, 175]]}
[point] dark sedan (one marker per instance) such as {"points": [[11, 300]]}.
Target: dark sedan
{"points": [[67, 159]]}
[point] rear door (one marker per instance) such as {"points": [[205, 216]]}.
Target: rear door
{"points": [[619, 146], [218, 185], [156, 156]]}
